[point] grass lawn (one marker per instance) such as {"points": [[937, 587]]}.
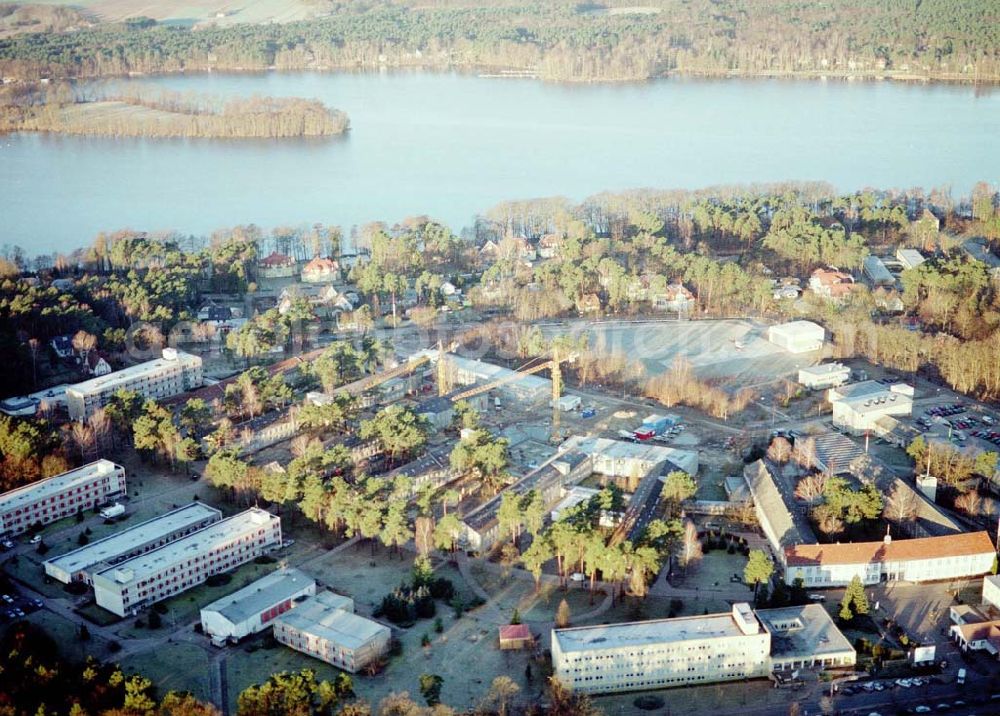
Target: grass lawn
{"points": [[245, 668], [174, 667], [712, 699], [714, 569]]}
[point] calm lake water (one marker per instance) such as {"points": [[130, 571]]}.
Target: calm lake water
{"points": [[452, 145]]}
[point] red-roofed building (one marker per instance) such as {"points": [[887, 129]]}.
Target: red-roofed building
{"points": [[676, 297], [321, 270], [831, 284], [913, 560], [276, 266], [516, 636]]}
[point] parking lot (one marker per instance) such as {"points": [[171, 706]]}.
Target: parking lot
{"points": [[15, 606]]}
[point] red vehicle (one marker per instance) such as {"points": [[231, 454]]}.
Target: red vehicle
{"points": [[643, 434]]}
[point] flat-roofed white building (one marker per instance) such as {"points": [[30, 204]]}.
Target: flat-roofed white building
{"points": [[175, 372], [80, 564], [59, 496], [923, 559], [325, 627], [161, 573], [797, 336], [825, 375], [805, 637], [617, 458], [253, 608], [662, 653], [859, 406]]}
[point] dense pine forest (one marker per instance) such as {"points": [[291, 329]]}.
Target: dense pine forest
{"points": [[920, 39]]}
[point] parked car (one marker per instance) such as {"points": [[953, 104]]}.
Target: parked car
{"points": [[35, 540], [817, 597]]}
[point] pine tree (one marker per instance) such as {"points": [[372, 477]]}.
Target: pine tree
{"points": [[562, 615]]}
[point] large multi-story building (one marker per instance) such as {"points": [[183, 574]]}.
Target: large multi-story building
{"points": [[253, 608], [737, 645], [60, 496], [662, 653], [922, 559], [326, 628], [161, 573], [80, 564], [175, 372]]}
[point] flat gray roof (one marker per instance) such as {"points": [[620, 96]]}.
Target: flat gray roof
{"points": [[686, 460], [324, 616], [126, 375], [56, 484], [824, 369], [802, 631], [143, 533], [648, 633], [194, 544], [261, 594]]}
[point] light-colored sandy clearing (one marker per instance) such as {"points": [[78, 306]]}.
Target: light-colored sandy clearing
{"points": [[196, 12]]}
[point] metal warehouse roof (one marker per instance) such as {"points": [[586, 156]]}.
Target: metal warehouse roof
{"points": [[262, 594]]}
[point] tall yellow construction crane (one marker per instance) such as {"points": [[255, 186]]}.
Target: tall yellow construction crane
{"points": [[553, 365]]}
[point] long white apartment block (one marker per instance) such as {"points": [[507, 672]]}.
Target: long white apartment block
{"points": [[56, 497], [161, 573], [662, 653], [175, 372], [81, 564]]}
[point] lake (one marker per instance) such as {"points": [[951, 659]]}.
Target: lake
{"points": [[451, 145]]}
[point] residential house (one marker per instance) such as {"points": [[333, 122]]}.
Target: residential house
{"points": [[525, 250], [318, 296], [95, 364], [831, 284], [321, 270], [276, 266], [979, 250], [489, 251], [449, 289], [63, 284], [62, 346], [550, 246], [213, 312], [675, 298]]}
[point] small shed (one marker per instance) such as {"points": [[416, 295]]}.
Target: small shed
{"points": [[516, 636]]}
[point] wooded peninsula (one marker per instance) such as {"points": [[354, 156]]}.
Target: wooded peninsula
{"points": [[142, 112], [566, 41]]}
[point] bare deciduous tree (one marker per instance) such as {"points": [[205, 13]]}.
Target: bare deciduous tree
{"points": [[810, 488], [780, 450]]}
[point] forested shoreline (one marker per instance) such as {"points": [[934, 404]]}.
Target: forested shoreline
{"points": [[727, 245], [137, 111], [933, 40]]}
